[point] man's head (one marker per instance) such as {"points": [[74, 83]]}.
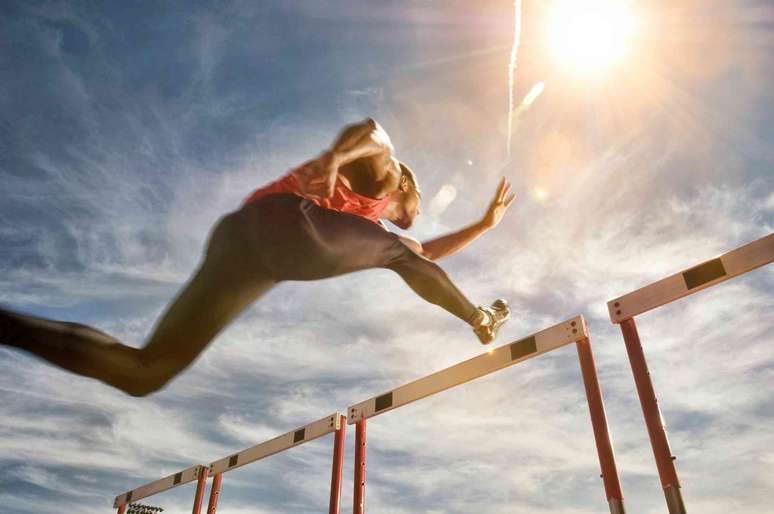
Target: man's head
{"points": [[406, 199]]}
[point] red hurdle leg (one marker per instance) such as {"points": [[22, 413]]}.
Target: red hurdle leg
{"points": [[200, 486], [337, 468], [653, 420], [599, 424], [212, 506], [122, 509], [360, 467]]}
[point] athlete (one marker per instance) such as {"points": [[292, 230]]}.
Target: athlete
{"points": [[321, 220]]}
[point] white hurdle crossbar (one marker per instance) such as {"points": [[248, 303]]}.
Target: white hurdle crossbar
{"points": [[471, 369], [692, 280], [329, 424], [195, 473], [280, 443], [571, 331]]}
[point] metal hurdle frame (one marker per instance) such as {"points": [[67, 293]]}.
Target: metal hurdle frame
{"points": [[623, 311], [571, 331], [333, 423], [329, 424], [195, 473]]}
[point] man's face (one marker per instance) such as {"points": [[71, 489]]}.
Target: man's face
{"points": [[411, 208]]}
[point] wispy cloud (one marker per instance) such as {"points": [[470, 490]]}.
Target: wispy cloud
{"points": [[131, 132]]}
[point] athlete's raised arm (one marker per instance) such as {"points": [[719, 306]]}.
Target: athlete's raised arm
{"points": [[360, 140], [450, 244], [364, 140]]}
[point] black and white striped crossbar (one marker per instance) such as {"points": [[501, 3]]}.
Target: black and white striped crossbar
{"points": [[159, 486], [295, 437], [729, 265], [570, 331]]}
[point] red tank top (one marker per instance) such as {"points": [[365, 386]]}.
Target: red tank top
{"points": [[342, 200]]}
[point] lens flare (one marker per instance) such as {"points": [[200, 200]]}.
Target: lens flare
{"points": [[442, 200], [540, 194], [533, 94], [529, 99]]}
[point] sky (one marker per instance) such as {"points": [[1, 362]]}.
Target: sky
{"points": [[128, 128]]}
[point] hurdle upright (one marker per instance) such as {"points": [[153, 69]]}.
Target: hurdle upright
{"points": [[197, 473], [571, 331], [623, 311]]}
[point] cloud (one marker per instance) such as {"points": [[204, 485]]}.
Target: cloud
{"points": [[118, 164]]}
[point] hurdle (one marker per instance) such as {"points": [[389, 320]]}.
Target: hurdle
{"points": [[687, 282], [196, 473], [333, 423], [571, 331]]}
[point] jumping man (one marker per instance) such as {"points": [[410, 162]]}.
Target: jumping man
{"points": [[321, 220]]}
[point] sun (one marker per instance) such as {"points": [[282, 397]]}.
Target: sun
{"points": [[590, 36]]}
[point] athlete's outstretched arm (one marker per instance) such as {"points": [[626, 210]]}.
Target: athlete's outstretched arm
{"points": [[450, 244]]}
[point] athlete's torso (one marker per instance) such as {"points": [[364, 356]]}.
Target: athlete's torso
{"points": [[342, 200]]}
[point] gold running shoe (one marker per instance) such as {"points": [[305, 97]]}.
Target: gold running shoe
{"points": [[496, 316]]}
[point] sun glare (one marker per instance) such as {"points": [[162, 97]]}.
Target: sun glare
{"points": [[592, 35]]}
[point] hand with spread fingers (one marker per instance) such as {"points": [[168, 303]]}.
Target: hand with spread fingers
{"points": [[500, 203]]}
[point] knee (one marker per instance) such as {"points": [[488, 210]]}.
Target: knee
{"points": [[407, 261], [141, 387], [146, 378], [401, 254]]}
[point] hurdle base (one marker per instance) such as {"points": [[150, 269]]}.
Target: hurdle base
{"points": [[674, 499], [616, 506]]}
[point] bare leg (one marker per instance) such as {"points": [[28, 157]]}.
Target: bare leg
{"points": [[202, 309], [223, 286]]}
